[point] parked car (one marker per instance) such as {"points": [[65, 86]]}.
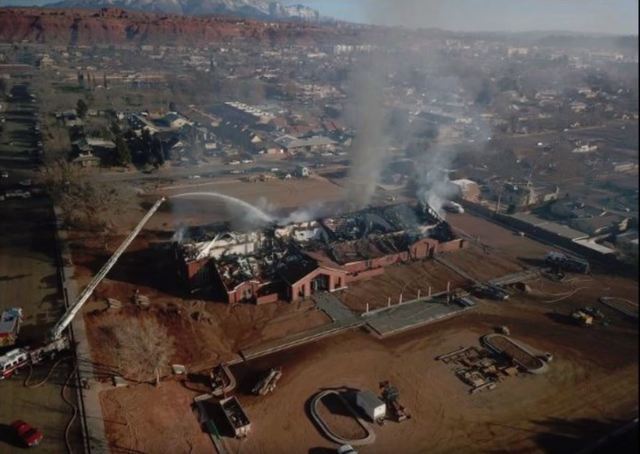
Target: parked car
{"points": [[17, 193], [489, 291], [4, 174], [27, 434]]}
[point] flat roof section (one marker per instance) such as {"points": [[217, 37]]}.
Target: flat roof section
{"points": [[550, 226]]}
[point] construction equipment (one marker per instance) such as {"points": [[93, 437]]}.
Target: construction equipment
{"points": [[559, 261], [504, 330], [586, 316], [235, 416], [222, 380], [582, 318], [57, 342], [594, 312], [268, 383], [390, 396]]}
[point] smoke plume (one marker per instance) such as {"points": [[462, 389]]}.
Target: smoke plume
{"points": [[434, 154], [370, 144]]}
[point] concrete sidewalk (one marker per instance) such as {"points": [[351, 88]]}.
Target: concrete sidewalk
{"points": [[334, 308], [90, 409]]}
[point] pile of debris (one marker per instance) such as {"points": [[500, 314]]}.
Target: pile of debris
{"points": [[479, 368]]}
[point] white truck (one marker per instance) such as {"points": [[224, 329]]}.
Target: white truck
{"points": [[453, 207], [236, 417]]}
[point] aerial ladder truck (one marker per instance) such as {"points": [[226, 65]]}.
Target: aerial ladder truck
{"points": [[58, 340]]}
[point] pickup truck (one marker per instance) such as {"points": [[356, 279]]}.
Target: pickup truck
{"points": [[28, 435]]}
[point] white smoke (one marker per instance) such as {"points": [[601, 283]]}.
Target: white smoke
{"points": [[242, 215], [368, 81], [304, 214]]}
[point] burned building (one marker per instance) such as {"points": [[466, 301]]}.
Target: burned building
{"points": [[294, 261]]}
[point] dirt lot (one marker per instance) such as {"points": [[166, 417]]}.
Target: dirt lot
{"points": [[492, 252], [204, 331], [273, 197], [591, 387], [407, 279], [338, 418], [219, 330]]}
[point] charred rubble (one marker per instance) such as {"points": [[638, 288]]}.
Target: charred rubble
{"points": [[294, 261]]}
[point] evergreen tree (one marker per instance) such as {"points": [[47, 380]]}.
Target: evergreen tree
{"points": [[81, 108], [123, 155]]}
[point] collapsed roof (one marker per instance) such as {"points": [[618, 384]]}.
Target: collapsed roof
{"points": [[287, 251]]}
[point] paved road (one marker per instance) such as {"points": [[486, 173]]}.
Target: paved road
{"points": [[28, 279], [210, 170]]}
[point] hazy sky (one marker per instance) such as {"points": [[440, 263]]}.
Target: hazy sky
{"points": [[601, 16]]}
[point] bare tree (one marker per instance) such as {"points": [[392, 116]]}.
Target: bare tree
{"points": [[144, 348], [85, 204]]}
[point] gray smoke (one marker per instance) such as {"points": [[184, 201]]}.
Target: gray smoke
{"points": [[434, 157], [370, 144]]}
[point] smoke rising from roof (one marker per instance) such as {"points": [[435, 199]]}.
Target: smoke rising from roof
{"points": [[370, 115]]}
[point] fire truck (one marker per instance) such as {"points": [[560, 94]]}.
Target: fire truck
{"points": [[58, 340]]}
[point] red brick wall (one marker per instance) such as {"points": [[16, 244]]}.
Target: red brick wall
{"points": [[250, 289], [337, 279], [355, 271], [367, 274], [272, 298], [452, 245]]}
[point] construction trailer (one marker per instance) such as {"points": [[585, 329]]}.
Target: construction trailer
{"points": [[371, 405], [10, 320], [235, 416]]}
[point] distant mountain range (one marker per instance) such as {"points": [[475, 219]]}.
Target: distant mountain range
{"points": [[255, 9], [121, 27]]}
